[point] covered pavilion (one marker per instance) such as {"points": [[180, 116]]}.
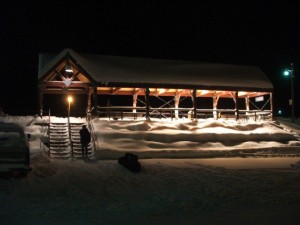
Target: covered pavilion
{"points": [[97, 76]]}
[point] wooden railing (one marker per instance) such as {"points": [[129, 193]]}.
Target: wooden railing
{"points": [[121, 112], [93, 136]]}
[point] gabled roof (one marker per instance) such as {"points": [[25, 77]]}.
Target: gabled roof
{"points": [[109, 70]]}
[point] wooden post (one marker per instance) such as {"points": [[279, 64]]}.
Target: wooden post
{"points": [[134, 101], [236, 105], [147, 94], [176, 100], [89, 106], [95, 99], [215, 105], [247, 102], [40, 104], [292, 92], [194, 98], [271, 105]]}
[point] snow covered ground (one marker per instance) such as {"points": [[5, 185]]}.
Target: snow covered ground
{"points": [[190, 139], [188, 190]]}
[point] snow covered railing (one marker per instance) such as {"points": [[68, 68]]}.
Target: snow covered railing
{"points": [[94, 139], [257, 114], [70, 137], [121, 112]]}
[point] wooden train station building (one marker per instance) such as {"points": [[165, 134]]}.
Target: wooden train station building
{"points": [[144, 80]]}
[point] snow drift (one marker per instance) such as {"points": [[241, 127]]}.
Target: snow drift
{"points": [[182, 138]]}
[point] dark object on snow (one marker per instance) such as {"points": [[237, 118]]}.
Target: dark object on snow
{"points": [[85, 139], [14, 151], [130, 161]]}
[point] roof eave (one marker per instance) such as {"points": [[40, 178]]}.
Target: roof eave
{"points": [[183, 86]]}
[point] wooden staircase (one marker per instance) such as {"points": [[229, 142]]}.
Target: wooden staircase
{"points": [[59, 140], [65, 142], [75, 137]]}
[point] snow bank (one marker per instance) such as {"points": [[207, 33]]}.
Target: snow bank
{"points": [[21, 120], [103, 192], [167, 191], [165, 138], [173, 138]]}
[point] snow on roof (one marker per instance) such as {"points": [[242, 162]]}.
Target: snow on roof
{"points": [[144, 71]]}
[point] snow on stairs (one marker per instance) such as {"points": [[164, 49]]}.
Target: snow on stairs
{"points": [[59, 140], [75, 136], [61, 144]]}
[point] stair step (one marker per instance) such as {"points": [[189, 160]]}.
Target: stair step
{"points": [[59, 132], [79, 148], [80, 153], [59, 140], [60, 156], [59, 150], [59, 144], [58, 129], [58, 147], [58, 135]]}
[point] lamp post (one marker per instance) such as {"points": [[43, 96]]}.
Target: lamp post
{"points": [[70, 100], [290, 72]]}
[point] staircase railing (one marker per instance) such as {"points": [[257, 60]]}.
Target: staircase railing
{"points": [[70, 136], [91, 128], [49, 115]]}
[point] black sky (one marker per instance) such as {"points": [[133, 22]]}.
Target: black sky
{"points": [[260, 33]]}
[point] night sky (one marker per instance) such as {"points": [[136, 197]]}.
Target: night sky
{"points": [[258, 33]]}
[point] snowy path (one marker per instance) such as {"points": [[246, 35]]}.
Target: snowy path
{"points": [[167, 191], [234, 163]]}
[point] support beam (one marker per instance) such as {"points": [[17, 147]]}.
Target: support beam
{"points": [[184, 92], [74, 76], [40, 96], [137, 91], [215, 105], [160, 91], [115, 90], [233, 95], [194, 99], [236, 105], [176, 100], [89, 106], [95, 98], [202, 92], [134, 101], [247, 103], [271, 105], [58, 74], [74, 84], [147, 94]]}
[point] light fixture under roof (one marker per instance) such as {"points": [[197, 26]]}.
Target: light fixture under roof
{"points": [[67, 82], [68, 68]]}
